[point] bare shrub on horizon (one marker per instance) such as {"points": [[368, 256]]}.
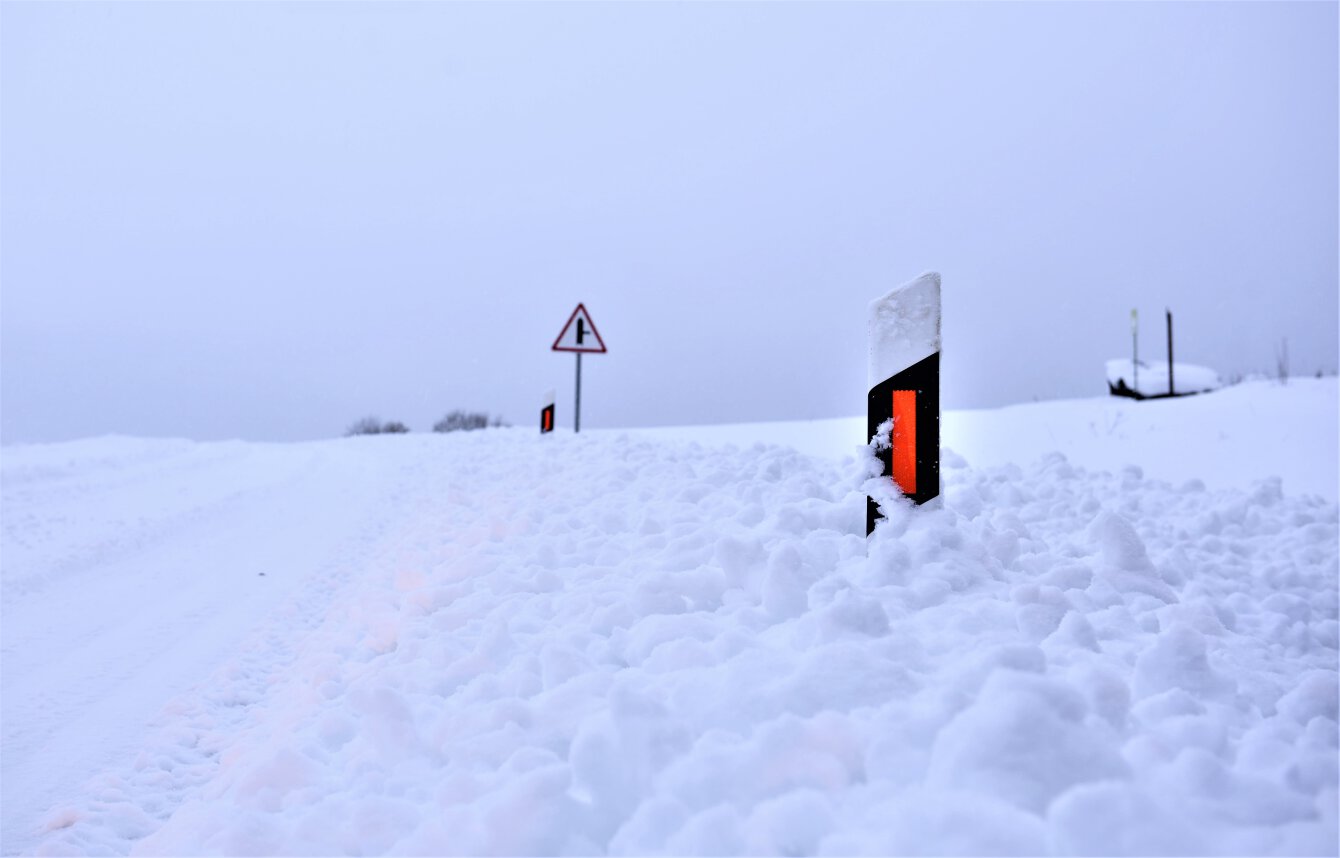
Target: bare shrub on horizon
{"points": [[373, 426], [466, 421]]}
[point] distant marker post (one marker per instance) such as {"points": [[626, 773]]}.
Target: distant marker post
{"points": [[904, 381], [547, 414], [579, 335]]}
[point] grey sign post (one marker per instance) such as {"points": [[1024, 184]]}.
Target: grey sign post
{"points": [[579, 335]]}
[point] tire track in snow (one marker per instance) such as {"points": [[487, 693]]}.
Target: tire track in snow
{"points": [[91, 657]]}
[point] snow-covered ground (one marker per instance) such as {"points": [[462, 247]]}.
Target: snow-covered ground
{"points": [[1117, 635], [1232, 439]]}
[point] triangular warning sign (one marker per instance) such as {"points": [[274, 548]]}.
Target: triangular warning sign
{"points": [[579, 334]]}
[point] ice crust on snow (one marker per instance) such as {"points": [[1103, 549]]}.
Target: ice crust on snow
{"points": [[904, 327], [609, 643]]}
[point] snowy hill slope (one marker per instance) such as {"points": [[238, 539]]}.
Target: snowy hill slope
{"points": [[496, 643]]}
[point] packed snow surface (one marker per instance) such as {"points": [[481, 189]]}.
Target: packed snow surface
{"points": [[904, 327], [1153, 376], [620, 642]]}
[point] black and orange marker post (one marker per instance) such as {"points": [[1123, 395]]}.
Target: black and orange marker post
{"points": [[547, 414], [905, 387]]}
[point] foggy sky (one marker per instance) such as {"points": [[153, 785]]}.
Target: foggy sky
{"points": [[265, 220]]}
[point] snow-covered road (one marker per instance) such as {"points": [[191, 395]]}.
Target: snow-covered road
{"points": [[133, 569]]}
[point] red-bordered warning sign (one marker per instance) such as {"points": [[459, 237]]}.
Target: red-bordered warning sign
{"points": [[580, 334]]}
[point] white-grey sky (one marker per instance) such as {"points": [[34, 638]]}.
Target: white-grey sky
{"points": [[265, 220]]}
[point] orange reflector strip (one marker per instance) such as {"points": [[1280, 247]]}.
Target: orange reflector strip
{"points": [[548, 415], [904, 439]]}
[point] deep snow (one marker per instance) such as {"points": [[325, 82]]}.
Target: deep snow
{"points": [[621, 642]]}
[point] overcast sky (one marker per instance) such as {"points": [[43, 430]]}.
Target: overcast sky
{"points": [[265, 220]]}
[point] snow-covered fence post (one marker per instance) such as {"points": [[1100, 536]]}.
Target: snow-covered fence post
{"points": [[904, 378]]}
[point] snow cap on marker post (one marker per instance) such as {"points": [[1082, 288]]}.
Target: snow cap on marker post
{"points": [[904, 383], [904, 327]]}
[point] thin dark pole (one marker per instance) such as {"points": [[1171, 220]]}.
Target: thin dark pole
{"points": [[1135, 352], [1171, 389], [577, 412]]}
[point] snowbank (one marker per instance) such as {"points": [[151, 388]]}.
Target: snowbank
{"points": [[1153, 377], [613, 643], [1221, 440]]}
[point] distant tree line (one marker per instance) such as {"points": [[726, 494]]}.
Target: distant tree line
{"points": [[373, 426], [454, 421], [465, 421]]}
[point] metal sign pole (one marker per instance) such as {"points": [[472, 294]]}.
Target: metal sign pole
{"points": [[579, 335], [1135, 351], [1171, 389], [577, 411]]}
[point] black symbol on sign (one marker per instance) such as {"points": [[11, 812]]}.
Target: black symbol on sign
{"points": [[581, 330]]}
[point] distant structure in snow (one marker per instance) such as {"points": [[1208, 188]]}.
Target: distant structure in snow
{"points": [[1137, 379], [1153, 379]]}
